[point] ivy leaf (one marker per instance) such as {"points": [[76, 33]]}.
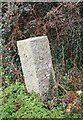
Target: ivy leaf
{"points": [[79, 92]]}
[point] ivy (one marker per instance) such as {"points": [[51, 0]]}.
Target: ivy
{"points": [[17, 103]]}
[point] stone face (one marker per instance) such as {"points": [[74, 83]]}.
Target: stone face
{"points": [[36, 64]]}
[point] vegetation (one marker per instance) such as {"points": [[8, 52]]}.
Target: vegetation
{"points": [[63, 25], [17, 103]]}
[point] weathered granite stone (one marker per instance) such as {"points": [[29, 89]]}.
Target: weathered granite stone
{"points": [[36, 64]]}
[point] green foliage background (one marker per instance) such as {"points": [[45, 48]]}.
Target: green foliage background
{"points": [[17, 103]]}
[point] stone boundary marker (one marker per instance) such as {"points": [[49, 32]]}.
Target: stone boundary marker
{"points": [[37, 65]]}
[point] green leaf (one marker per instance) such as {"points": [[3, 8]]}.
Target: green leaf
{"points": [[79, 92]]}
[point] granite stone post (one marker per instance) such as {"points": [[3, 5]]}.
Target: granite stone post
{"points": [[37, 66]]}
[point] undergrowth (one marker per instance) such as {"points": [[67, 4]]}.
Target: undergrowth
{"points": [[17, 103]]}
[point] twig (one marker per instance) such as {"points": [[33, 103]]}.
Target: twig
{"points": [[62, 87]]}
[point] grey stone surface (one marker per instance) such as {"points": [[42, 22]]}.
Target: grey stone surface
{"points": [[36, 64]]}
